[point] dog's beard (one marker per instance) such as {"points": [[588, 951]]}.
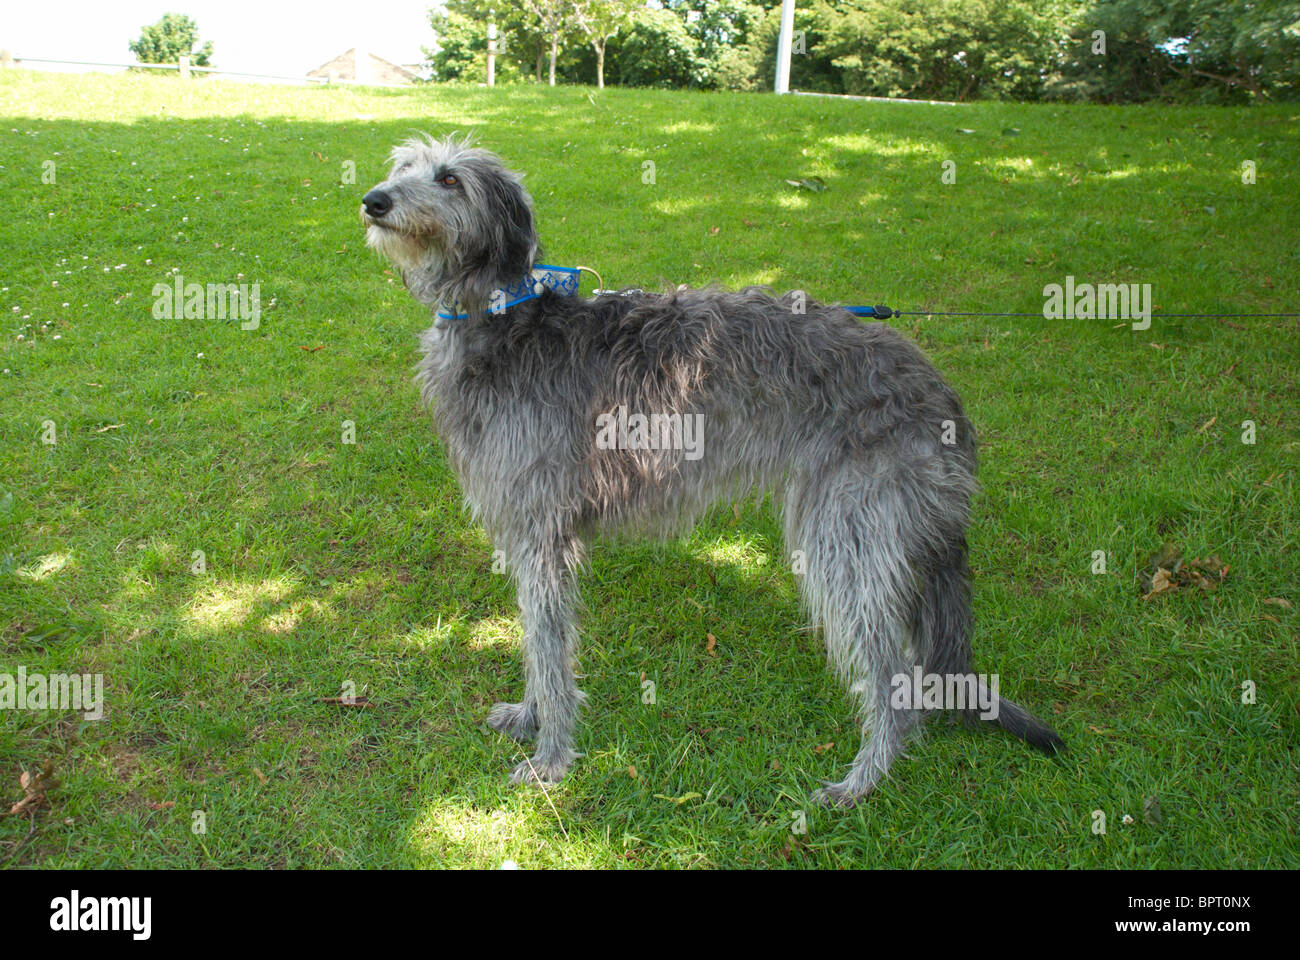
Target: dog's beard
{"points": [[418, 259], [406, 251]]}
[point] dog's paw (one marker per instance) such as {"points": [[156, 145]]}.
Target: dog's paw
{"points": [[839, 795], [517, 720], [542, 769]]}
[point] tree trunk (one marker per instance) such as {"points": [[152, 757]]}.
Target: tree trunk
{"points": [[600, 65], [555, 49], [1251, 83]]}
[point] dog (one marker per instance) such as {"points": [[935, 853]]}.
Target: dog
{"points": [[845, 424]]}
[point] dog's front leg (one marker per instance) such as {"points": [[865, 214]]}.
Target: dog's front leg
{"points": [[549, 710]]}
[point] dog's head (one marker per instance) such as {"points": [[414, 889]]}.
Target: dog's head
{"points": [[453, 220]]}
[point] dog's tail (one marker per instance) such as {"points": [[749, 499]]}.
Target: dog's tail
{"points": [[1015, 719], [944, 625]]}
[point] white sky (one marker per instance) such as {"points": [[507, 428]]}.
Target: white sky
{"points": [[254, 36]]}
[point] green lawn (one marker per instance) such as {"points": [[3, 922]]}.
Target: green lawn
{"points": [[329, 563]]}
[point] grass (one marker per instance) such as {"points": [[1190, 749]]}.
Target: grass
{"points": [[331, 563]]}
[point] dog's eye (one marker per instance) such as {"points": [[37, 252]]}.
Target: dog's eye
{"points": [[449, 180]]}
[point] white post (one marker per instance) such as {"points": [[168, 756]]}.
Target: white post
{"points": [[783, 47], [185, 67], [492, 54], [362, 70]]}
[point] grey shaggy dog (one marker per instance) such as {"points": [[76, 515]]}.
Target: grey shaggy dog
{"points": [[843, 423]]}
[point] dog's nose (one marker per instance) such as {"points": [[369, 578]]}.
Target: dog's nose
{"points": [[377, 203]]}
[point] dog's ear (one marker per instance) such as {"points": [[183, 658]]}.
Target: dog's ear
{"points": [[515, 240], [495, 240]]}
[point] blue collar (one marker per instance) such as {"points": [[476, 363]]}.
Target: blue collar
{"points": [[561, 280]]}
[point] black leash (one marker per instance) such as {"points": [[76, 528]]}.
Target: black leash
{"points": [[882, 312]]}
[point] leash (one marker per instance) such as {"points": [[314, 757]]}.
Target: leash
{"points": [[882, 312], [565, 280]]}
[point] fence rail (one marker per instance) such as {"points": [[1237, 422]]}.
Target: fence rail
{"points": [[184, 69], [854, 96]]}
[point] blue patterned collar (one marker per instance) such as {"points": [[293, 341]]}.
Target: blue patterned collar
{"points": [[561, 280]]}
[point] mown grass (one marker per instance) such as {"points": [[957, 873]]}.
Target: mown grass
{"points": [[330, 563]]}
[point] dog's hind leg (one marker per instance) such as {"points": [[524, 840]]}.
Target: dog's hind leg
{"points": [[545, 575], [859, 587]]}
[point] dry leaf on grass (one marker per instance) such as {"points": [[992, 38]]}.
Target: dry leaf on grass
{"points": [[1162, 581], [1167, 572], [1206, 572], [35, 786]]}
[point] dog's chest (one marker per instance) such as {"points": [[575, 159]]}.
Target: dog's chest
{"points": [[495, 423]]}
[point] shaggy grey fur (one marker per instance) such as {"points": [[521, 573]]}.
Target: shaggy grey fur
{"points": [[842, 422]]}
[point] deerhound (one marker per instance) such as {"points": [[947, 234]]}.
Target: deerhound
{"points": [[847, 425]]}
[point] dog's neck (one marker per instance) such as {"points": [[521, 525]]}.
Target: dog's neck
{"points": [[543, 276]]}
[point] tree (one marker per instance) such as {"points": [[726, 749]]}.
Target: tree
{"points": [[1241, 49], [723, 31], [951, 50], [171, 38], [658, 52], [555, 18], [810, 63], [601, 20], [461, 31], [1209, 50]]}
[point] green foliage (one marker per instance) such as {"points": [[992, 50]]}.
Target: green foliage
{"points": [[658, 51], [1110, 58], [811, 62], [1194, 50], [599, 22], [718, 25], [461, 33], [1227, 51], [724, 31], [949, 50], [169, 39]]}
